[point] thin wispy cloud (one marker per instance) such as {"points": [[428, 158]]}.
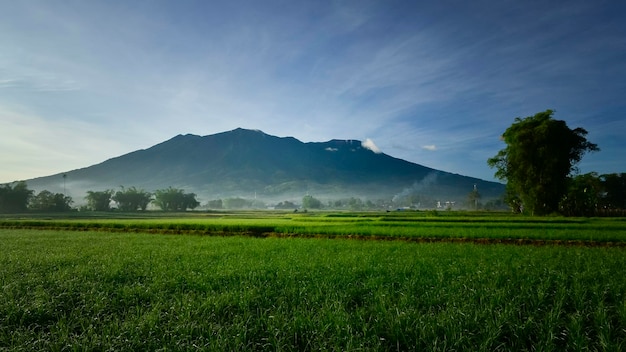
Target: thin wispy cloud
{"points": [[39, 84], [448, 76]]}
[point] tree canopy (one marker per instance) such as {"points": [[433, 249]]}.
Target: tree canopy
{"points": [[540, 153], [173, 199], [48, 201], [310, 202], [132, 199], [614, 186], [14, 197], [99, 200], [583, 196], [593, 195]]}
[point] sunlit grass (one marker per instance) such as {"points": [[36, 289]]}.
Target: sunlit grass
{"points": [[130, 291], [405, 225]]}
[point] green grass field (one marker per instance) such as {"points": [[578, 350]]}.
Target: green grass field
{"points": [[456, 226], [123, 284]]}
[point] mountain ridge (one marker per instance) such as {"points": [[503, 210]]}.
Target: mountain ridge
{"points": [[244, 162]]}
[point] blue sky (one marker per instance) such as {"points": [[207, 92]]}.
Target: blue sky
{"points": [[432, 82]]}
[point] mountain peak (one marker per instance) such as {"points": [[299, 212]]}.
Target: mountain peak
{"points": [[246, 130], [242, 161]]}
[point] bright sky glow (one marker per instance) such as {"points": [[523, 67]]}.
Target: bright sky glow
{"points": [[434, 83]]}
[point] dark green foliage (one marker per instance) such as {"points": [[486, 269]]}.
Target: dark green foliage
{"points": [[614, 186], [132, 199], [513, 200], [310, 202], [583, 195], [99, 200], [14, 197], [173, 199], [540, 154], [590, 195], [50, 202]]}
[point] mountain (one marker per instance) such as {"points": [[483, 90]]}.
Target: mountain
{"points": [[248, 163]]}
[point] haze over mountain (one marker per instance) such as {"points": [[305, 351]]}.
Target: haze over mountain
{"points": [[249, 163]]}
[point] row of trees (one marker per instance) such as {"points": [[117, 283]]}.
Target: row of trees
{"points": [[539, 167], [46, 201], [16, 197], [133, 199]]}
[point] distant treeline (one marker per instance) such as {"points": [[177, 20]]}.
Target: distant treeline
{"points": [[587, 195], [17, 198]]}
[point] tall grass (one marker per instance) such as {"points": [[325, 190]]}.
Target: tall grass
{"points": [[112, 291]]}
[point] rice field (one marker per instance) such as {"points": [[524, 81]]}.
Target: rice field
{"points": [[412, 226], [123, 284]]}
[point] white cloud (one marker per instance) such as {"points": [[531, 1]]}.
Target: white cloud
{"points": [[369, 144], [430, 147]]}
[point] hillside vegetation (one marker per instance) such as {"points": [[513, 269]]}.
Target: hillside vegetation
{"points": [[242, 163]]}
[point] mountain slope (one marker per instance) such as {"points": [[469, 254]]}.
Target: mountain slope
{"points": [[248, 162]]}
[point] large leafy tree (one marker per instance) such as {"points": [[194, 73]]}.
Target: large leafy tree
{"points": [[132, 199], [173, 199], [310, 202], [48, 201], [583, 195], [540, 154], [14, 197], [99, 200]]}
